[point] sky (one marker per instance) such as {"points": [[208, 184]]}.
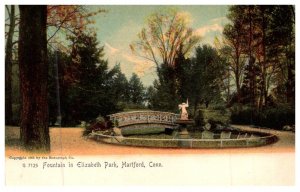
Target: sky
{"points": [[119, 27]]}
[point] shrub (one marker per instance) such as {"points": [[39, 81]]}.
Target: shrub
{"points": [[220, 108], [87, 128], [276, 117], [214, 123], [199, 119], [217, 117], [242, 116], [271, 117], [96, 124]]}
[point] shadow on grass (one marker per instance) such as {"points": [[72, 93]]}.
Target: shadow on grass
{"points": [[13, 143]]}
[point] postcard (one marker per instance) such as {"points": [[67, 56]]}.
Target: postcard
{"points": [[150, 95]]}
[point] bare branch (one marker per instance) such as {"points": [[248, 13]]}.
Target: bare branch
{"points": [[8, 11], [15, 42], [164, 36]]}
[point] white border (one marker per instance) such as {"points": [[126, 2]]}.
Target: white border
{"points": [[146, 2]]}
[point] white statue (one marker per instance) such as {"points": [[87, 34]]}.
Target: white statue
{"points": [[184, 114]]}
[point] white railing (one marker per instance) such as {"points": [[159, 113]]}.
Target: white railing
{"points": [[138, 117]]}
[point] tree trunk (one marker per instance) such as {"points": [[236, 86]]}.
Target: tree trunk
{"points": [[253, 86], [8, 67], [237, 74], [228, 88], [238, 86], [206, 104], [289, 84], [264, 92], [195, 106], [33, 78]]}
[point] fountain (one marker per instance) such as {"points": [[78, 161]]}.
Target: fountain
{"points": [[184, 120], [170, 130]]}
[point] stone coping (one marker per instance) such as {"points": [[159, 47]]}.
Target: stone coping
{"points": [[187, 142]]}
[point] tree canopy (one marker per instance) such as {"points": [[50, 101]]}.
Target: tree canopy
{"points": [[167, 32]]}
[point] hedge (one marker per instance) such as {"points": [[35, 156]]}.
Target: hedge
{"points": [[272, 117]]}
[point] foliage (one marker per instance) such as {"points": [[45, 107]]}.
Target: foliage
{"points": [[128, 106], [136, 90], [265, 37], [89, 127], [213, 116], [205, 73], [197, 79], [59, 79], [271, 117], [166, 41], [199, 119], [257, 55], [90, 95], [166, 33], [252, 80], [68, 19], [120, 86], [87, 87], [160, 97], [232, 52]]}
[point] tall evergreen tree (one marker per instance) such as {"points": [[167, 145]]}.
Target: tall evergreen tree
{"points": [[206, 72], [90, 95], [120, 86], [136, 90]]}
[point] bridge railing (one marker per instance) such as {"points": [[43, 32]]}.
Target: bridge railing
{"points": [[143, 117]]}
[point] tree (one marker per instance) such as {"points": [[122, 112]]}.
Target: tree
{"points": [[250, 84], [159, 97], [8, 64], [199, 79], [33, 77], [267, 41], [233, 50], [226, 53], [91, 93], [180, 77], [62, 20], [167, 40], [136, 90], [167, 31], [59, 67], [150, 97], [240, 45], [206, 72], [120, 86], [170, 89], [261, 21], [281, 51], [70, 19]]}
